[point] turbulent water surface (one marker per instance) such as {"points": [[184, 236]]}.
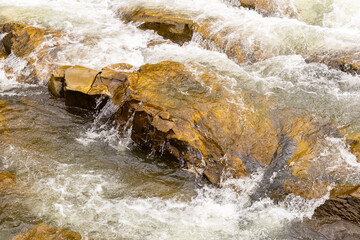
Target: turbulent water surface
{"points": [[75, 172]]}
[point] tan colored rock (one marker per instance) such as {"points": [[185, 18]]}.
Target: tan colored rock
{"points": [[309, 138], [112, 77], [324, 228], [344, 202], [56, 82], [43, 232], [30, 44], [3, 53], [178, 30], [233, 49], [77, 85], [263, 5], [80, 79], [20, 39], [187, 116]]}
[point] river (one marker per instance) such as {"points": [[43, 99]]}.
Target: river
{"points": [[75, 171]]}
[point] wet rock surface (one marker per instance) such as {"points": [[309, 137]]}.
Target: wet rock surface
{"points": [[170, 111], [175, 29]]}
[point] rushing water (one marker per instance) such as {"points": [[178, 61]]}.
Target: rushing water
{"points": [[73, 170]]}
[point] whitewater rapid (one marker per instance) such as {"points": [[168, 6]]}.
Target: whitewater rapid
{"points": [[77, 173]]}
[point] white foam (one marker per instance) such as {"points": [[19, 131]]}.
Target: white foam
{"points": [[214, 213]]}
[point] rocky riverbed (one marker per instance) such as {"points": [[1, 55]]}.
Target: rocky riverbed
{"points": [[169, 120]]}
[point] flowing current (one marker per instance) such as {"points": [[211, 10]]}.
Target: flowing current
{"points": [[73, 170]]}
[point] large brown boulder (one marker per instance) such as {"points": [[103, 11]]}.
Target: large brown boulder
{"points": [[29, 44], [186, 116], [193, 118], [44, 232]]}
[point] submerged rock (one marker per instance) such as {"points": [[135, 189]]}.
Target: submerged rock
{"points": [[44, 232], [354, 142], [346, 62], [29, 44], [269, 7], [7, 180]]}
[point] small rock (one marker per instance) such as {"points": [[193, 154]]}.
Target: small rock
{"points": [[7, 180]]}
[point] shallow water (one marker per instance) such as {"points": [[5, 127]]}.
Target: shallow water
{"points": [[73, 170]]}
